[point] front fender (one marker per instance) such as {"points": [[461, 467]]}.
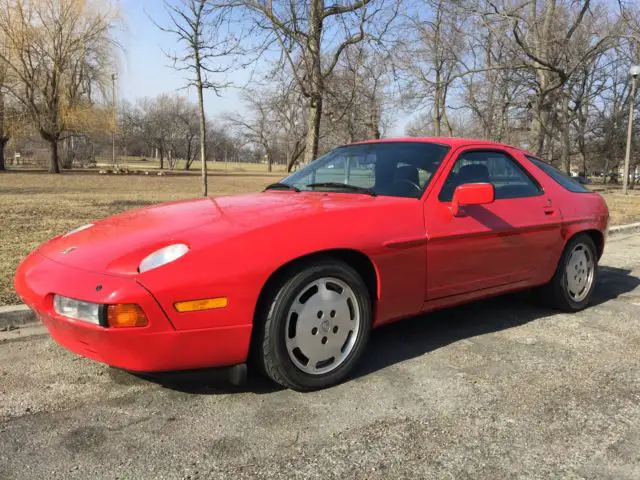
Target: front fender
{"points": [[239, 265]]}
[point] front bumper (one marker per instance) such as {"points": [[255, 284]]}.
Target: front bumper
{"points": [[155, 347]]}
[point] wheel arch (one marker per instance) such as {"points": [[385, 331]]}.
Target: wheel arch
{"points": [[598, 238], [595, 235], [357, 260]]}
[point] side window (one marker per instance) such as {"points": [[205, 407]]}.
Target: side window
{"points": [[559, 177], [507, 176]]}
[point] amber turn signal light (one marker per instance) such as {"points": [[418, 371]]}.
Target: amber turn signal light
{"points": [[203, 304], [125, 315]]}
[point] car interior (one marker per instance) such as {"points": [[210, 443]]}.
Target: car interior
{"points": [[508, 178]]}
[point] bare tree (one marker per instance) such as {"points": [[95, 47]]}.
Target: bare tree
{"points": [[495, 86], [357, 97], [312, 36], [430, 58], [258, 128], [274, 123], [202, 28], [189, 128], [553, 38], [57, 53], [167, 124], [290, 116], [167, 127]]}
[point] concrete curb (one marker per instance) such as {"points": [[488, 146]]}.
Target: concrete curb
{"points": [[14, 316], [620, 229]]}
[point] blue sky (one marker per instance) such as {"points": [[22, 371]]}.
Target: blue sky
{"points": [[144, 68]]}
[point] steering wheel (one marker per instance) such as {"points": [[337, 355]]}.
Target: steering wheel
{"points": [[404, 181]]}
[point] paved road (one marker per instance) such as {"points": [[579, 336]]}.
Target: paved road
{"points": [[492, 390]]}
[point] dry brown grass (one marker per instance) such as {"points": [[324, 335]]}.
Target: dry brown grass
{"points": [[35, 206], [623, 209]]}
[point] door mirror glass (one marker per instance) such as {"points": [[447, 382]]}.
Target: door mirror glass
{"points": [[472, 194]]}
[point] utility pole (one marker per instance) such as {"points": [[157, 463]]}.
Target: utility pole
{"points": [[115, 119], [634, 72]]}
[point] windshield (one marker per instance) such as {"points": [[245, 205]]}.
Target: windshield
{"points": [[398, 169]]}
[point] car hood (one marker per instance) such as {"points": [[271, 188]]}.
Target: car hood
{"points": [[117, 244]]}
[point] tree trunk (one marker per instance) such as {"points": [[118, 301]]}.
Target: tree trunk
{"points": [[203, 139], [566, 145], [202, 121], [3, 143], [541, 49], [316, 83], [3, 138], [436, 109], [66, 153], [54, 164], [540, 122], [445, 118], [161, 158], [314, 116], [294, 155], [188, 160], [374, 124]]}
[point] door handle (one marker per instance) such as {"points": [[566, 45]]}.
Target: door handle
{"points": [[548, 210]]}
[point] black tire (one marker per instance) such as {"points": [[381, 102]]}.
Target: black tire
{"points": [[271, 351], [556, 293]]}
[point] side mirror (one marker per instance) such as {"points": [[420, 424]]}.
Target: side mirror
{"points": [[472, 194]]}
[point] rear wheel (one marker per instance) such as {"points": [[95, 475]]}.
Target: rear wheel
{"points": [[317, 326], [572, 285]]}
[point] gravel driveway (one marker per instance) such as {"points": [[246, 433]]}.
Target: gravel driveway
{"points": [[496, 389]]}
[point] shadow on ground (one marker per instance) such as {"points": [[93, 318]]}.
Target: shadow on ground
{"points": [[412, 337]]}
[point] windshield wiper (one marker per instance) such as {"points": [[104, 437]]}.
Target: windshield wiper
{"points": [[346, 186], [281, 186]]}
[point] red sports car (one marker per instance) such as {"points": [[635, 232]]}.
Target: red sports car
{"points": [[296, 276]]}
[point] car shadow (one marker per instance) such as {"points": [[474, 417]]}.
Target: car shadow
{"points": [[416, 336], [209, 381]]}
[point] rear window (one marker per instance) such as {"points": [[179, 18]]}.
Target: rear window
{"points": [[564, 181]]}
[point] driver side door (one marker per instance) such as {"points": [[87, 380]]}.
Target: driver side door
{"points": [[493, 247]]}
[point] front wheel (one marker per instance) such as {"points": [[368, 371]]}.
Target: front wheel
{"points": [[572, 285], [317, 326]]}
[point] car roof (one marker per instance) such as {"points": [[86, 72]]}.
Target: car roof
{"points": [[452, 142]]}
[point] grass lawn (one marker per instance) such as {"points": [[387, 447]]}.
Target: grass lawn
{"points": [[35, 206]]}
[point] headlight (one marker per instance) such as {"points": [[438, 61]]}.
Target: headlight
{"points": [[163, 256], [79, 229], [69, 307]]}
